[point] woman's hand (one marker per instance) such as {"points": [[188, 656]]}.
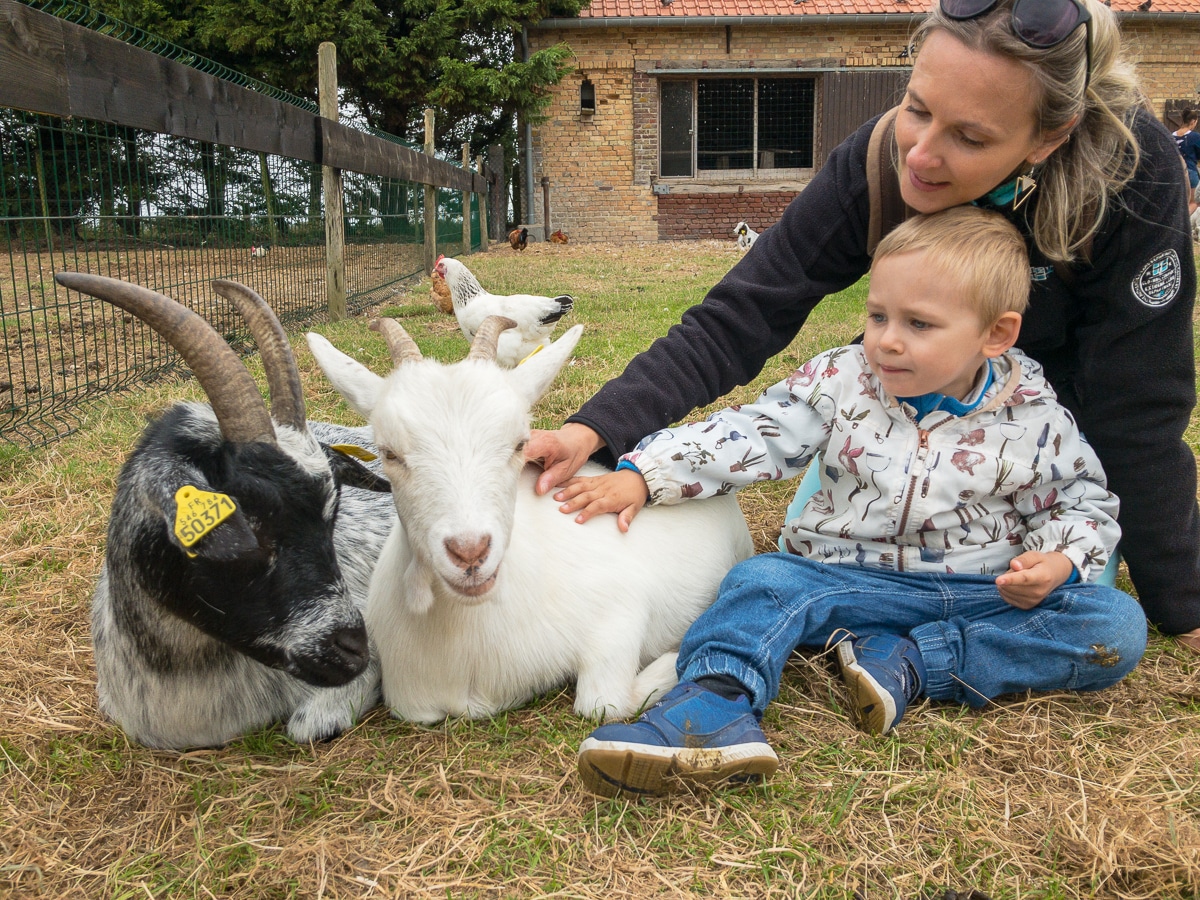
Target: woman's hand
{"points": [[622, 492], [560, 453], [1032, 576]]}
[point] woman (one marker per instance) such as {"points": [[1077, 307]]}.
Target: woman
{"points": [[1002, 94], [1188, 143]]}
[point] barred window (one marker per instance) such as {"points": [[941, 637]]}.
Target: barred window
{"points": [[717, 124]]}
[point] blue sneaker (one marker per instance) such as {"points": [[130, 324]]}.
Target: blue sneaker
{"points": [[885, 673], [691, 735]]}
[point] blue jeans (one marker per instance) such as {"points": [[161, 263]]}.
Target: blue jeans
{"points": [[975, 646]]}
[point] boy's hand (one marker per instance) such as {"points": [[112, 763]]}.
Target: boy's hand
{"points": [[561, 453], [1032, 576], [623, 492]]}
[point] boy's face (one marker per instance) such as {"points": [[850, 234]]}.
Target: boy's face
{"points": [[922, 336]]}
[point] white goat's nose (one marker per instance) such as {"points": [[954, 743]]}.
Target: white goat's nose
{"points": [[467, 553]]}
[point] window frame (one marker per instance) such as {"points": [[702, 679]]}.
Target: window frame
{"points": [[756, 171]]}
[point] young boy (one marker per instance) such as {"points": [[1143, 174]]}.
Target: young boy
{"points": [[948, 552]]}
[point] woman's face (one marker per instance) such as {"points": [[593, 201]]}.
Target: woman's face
{"points": [[965, 126]]}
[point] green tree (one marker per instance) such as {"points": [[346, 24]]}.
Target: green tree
{"points": [[395, 57]]}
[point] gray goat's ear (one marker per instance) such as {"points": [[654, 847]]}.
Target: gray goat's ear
{"points": [[354, 381], [231, 539], [533, 376], [350, 472]]}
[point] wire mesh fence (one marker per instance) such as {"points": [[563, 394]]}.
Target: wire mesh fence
{"points": [[171, 214]]}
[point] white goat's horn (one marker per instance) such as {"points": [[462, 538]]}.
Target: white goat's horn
{"points": [[283, 378], [484, 345], [234, 396], [401, 347]]}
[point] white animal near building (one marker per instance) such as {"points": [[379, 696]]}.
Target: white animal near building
{"points": [[488, 595], [746, 236]]}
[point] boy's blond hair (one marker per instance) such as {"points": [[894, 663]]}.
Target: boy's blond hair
{"points": [[980, 250]]}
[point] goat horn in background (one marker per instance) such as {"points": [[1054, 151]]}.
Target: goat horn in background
{"points": [[283, 378], [234, 396], [401, 347], [484, 345]]}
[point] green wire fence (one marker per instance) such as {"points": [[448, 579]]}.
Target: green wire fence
{"points": [[171, 214]]}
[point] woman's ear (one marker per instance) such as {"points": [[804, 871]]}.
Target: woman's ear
{"points": [[1051, 142], [1001, 334]]}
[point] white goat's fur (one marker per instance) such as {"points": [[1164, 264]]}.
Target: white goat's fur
{"points": [[567, 600]]}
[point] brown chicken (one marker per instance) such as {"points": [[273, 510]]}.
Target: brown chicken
{"points": [[559, 237], [440, 294], [518, 238]]}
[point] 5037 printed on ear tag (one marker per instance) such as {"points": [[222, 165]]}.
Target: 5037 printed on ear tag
{"points": [[199, 512]]}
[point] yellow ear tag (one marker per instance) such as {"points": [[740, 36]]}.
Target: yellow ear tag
{"points": [[198, 512], [535, 352], [354, 450]]}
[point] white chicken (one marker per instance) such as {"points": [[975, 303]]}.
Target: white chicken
{"points": [[746, 236], [535, 316]]}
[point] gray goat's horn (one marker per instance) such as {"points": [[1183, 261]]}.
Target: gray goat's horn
{"points": [[484, 345], [232, 392], [401, 347], [283, 378]]}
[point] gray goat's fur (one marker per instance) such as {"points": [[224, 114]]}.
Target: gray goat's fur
{"points": [[261, 620]]}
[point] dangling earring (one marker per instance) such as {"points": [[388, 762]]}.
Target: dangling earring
{"points": [[1024, 186]]}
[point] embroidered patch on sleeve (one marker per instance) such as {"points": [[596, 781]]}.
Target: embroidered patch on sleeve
{"points": [[1157, 284]]}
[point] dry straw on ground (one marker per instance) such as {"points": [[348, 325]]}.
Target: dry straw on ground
{"points": [[1040, 796]]}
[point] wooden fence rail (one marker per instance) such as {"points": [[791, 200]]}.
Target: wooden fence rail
{"points": [[57, 68]]}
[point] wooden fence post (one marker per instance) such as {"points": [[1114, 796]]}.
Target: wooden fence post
{"points": [[484, 209], [335, 235], [466, 151], [497, 207], [430, 202]]}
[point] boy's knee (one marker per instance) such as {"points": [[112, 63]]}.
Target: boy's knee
{"points": [[764, 568], [1116, 649]]}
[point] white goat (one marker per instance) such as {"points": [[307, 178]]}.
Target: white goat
{"points": [[487, 594]]}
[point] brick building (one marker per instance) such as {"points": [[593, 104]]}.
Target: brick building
{"points": [[684, 117]]}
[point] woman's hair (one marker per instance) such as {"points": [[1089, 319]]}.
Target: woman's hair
{"points": [[979, 250], [1188, 115], [1080, 179]]}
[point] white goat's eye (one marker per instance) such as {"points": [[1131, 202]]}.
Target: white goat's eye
{"points": [[391, 456], [520, 448]]}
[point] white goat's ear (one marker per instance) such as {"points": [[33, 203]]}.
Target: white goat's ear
{"points": [[533, 376], [354, 381]]}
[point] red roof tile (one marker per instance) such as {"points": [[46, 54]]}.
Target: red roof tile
{"points": [[748, 8]]}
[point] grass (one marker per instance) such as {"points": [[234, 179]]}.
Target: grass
{"points": [[1039, 796]]}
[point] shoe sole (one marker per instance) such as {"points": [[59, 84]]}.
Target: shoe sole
{"points": [[619, 769], [874, 707]]}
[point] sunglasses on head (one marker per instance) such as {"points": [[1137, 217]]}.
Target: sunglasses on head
{"points": [[1041, 24]]}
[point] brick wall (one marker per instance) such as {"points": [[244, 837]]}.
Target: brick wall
{"points": [[603, 167], [695, 216]]}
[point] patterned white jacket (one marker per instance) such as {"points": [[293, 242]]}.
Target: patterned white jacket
{"points": [[948, 494]]}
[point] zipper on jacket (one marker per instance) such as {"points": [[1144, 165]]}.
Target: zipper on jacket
{"points": [[922, 453]]}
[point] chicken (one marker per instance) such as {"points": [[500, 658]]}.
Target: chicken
{"points": [[259, 250], [535, 316], [559, 237], [439, 293], [518, 238], [746, 236]]}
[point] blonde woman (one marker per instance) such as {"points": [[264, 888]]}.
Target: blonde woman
{"points": [[1026, 107]]}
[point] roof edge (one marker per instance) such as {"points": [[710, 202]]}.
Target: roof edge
{"points": [[563, 22]]}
